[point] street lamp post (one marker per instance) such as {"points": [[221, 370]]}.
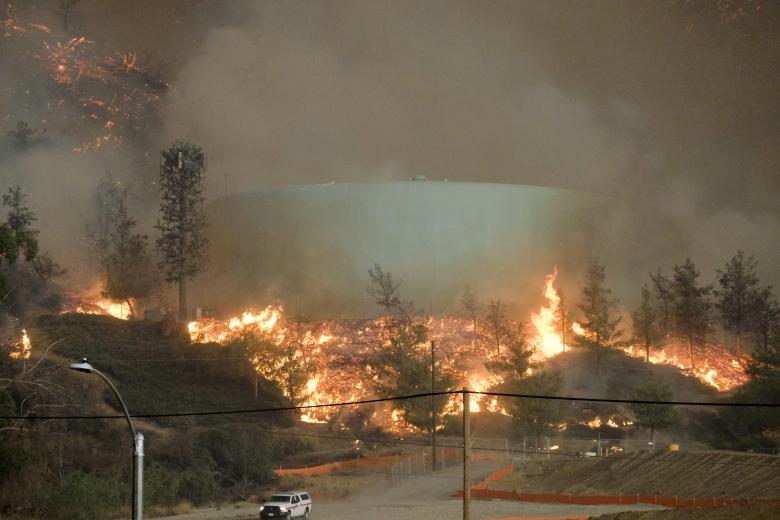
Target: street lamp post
{"points": [[138, 441]]}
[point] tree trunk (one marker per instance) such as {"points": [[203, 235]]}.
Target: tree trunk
{"points": [[690, 350], [182, 299], [739, 345], [647, 352], [130, 307]]}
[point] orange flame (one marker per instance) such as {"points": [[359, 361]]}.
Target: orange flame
{"points": [[22, 349]]}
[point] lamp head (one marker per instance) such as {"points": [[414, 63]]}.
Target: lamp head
{"points": [[82, 366]]}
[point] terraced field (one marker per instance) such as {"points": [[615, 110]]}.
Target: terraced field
{"points": [[682, 474]]}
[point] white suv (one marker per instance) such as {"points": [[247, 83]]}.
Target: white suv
{"points": [[287, 505]]}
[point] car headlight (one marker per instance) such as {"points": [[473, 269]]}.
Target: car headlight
{"points": [[283, 509], [261, 508]]}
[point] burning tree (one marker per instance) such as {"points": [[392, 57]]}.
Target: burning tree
{"points": [[514, 365], [691, 309], [646, 326], [402, 364], [182, 243], [282, 362], [470, 307], [405, 370], [128, 266]]}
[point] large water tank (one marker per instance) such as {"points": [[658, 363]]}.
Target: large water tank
{"points": [[311, 246]]}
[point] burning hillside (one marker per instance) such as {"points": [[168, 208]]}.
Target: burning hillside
{"points": [[111, 94], [342, 351]]}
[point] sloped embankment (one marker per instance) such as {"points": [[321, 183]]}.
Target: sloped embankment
{"points": [[670, 474], [751, 512]]}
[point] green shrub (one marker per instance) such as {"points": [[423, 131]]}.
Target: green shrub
{"points": [[198, 485], [81, 496], [161, 485]]}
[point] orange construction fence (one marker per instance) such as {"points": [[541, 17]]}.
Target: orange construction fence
{"points": [[480, 490]]}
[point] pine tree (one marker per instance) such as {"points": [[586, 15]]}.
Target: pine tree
{"points": [[537, 416], [513, 366], [653, 417], [598, 307], [562, 318], [665, 295], [739, 288], [182, 244], [691, 309], [646, 323], [470, 307], [497, 324], [764, 319], [20, 221], [128, 268], [105, 201]]}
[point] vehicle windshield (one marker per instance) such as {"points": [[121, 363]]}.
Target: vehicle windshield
{"points": [[280, 498]]}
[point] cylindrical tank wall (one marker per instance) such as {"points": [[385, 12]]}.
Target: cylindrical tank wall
{"points": [[311, 246]]}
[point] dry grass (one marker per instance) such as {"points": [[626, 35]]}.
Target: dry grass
{"points": [[181, 508]]}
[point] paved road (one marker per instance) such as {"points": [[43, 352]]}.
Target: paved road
{"points": [[426, 496]]}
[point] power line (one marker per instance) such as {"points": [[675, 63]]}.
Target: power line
{"points": [[399, 398]]}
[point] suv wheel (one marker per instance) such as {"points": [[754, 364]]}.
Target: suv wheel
{"points": [[306, 514], [289, 515]]}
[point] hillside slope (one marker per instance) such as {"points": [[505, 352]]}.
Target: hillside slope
{"points": [[683, 474], [156, 371]]}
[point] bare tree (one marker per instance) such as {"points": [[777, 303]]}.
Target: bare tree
{"points": [[384, 290]]}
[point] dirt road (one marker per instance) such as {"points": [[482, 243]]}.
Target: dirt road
{"points": [[425, 496]]}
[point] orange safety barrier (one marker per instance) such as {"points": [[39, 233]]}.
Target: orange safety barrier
{"points": [[481, 491]]}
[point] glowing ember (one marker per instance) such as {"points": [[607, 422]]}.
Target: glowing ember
{"points": [[716, 366], [22, 348], [223, 331], [116, 97]]}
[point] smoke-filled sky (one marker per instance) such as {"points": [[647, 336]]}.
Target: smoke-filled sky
{"points": [[671, 107]]}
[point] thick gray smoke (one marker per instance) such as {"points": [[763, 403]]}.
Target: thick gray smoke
{"points": [[671, 108]]}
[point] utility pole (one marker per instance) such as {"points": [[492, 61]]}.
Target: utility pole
{"points": [[433, 406], [466, 455]]}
